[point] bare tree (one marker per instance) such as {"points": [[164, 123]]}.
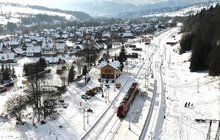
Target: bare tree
{"points": [[35, 97], [15, 105], [79, 65]]}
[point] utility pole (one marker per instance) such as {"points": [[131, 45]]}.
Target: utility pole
{"points": [[209, 131], [129, 128], [169, 60], [84, 127], [218, 131], [145, 81], [87, 117]]}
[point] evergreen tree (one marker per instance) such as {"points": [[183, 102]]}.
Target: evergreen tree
{"points": [[71, 75], [203, 31], [214, 62], [121, 66], [122, 55], [115, 57], [6, 75], [13, 71], [198, 57], [84, 70], [2, 69], [186, 43], [42, 64]]}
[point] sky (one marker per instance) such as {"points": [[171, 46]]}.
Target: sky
{"points": [[66, 4]]}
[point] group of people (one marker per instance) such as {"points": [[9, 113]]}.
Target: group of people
{"points": [[188, 104]]}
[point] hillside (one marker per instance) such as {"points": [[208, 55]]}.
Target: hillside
{"points": [[15, 11], [167, 11], [201, 35], [130, 8]]}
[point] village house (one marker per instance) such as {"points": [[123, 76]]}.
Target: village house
{"points": [[33, 51], [7, 58], [48, 48], [109, 70], [61, 47]]}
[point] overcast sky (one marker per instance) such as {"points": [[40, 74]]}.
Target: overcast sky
{"points": [[64, 4]]}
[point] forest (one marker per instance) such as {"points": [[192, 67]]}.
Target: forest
{"points": [[201, 34]]}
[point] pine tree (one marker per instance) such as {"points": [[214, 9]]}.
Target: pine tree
{"points": [[42, 64], [122, 55], [6, 75], [121, 66], [13, 71], [84, 70], [214, 62], [71, 75], [2, 69]]}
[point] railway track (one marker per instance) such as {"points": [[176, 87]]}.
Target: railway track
{"points": [[153, 121], [108, 124]]}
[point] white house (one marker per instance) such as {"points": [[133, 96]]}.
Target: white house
{"points": [[33, 51], [7, 58], [61, 48], [48, 49]]}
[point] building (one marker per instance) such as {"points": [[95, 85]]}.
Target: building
{"points": [[33, 51], [109, 70]]}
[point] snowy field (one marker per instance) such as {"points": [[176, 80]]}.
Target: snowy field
{"points": [[199, 90], [170, 120], [191, 10], [71, 118], [16, 11]]}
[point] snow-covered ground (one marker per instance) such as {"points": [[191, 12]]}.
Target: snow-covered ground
{"points": [[191, 10], [175, 86], [198, 89], [15, 13]]}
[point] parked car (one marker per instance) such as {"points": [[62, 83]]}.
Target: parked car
{"points": [[118, 85], [85, 97], [9, 84], [93, 91], [3, 89]]}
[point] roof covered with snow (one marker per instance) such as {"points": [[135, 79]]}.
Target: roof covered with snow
{"points": [[114, 64]]}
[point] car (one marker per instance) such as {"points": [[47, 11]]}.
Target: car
{"points": [[9, 84], [85, 97], [3, 89], [91, 92], [118, 85]]}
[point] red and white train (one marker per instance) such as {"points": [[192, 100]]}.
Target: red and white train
{"points": [[127, 100]]}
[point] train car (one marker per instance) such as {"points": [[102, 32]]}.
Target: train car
{"points": [[127, 100]]}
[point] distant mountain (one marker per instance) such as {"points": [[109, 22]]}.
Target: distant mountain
{"points": [[30, 9], [109, 8], [78, 14], [168, 11]]}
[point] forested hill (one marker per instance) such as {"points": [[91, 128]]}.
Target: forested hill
{"points": [[78, 14], [202, 36]]}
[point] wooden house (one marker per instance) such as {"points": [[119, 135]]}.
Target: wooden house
{"points": [[109, 70]]}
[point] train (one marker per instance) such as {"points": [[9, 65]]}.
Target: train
{"points": [[127, 100]]}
